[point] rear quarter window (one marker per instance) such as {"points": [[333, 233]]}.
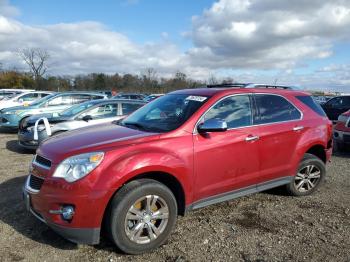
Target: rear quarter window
{"points": [[309, 101]]}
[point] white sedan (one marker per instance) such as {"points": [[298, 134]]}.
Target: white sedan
{"points": [[23, 99]]}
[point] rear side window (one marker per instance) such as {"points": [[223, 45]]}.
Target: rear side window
{"points": [[309, 101], [273, 108], [128, 108]]}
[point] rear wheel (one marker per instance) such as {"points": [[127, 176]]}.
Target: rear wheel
{"points": [[141, 216], [310, 175]]}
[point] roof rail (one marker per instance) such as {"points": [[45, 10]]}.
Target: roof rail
{"points": [[251, 85], [231, 85], [270, 86]]}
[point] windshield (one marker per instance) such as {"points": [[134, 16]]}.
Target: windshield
{"points": [[165, 113], [77, 109], [44, 99]]}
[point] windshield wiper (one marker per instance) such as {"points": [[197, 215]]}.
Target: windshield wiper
{"points": [[134, 124]]}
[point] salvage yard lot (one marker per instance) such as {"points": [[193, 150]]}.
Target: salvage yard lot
{"points": [[268, 226]]}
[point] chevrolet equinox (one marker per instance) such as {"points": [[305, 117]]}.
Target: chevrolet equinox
{"points": [[185, 150]]}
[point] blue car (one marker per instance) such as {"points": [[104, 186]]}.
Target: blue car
{"points": [[55, 103]]}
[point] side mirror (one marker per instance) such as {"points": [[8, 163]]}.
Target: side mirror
{"points": [[212, 125], [87, 118]]}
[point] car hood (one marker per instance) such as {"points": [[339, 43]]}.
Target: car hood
{"points": [[93, 138], [52, 117], [15, 108]]}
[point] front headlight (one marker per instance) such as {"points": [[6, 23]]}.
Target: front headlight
{"points": [[77, 167], [10, 112]]}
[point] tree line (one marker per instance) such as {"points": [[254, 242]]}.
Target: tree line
{"points": [[37, 78]]}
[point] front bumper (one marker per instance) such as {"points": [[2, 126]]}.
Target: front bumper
{"points": [[26, 139], [89, 236], [9, 120], [85, 226], [341, 136]]}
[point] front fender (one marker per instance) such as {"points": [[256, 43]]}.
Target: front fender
{"points": [[128, 166]]}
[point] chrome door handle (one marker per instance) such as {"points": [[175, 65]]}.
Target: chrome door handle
{"points": [[251, 138], [298, 128]]}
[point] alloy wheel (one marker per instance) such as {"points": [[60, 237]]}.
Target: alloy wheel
{"points": [[146, 219], [307, 178]]}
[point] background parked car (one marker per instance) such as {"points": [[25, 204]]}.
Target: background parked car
{"points": [[133, 96], [12, 92], [55, 103], [342, 131], [81, 115], [151, 97], [23, 99], [336, 106], [321, 99]]}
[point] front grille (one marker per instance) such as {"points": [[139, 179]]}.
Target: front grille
{"points": [[35, 182], [43, 161]]}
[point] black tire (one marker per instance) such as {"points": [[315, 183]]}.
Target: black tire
{"points": [[126, 198], [307, 161]]}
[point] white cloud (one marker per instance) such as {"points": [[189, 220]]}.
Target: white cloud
{"points": [[267, 34], [8, 10], [248, 35]]}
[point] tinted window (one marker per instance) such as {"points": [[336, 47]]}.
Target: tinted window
{"points": [[307, 100], [273, 109], [103, 111], [80, 98], [29, 97], [339, 102], [128, 108], [235, 110]]}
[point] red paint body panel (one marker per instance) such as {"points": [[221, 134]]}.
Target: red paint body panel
{"points": [[204, 165]]}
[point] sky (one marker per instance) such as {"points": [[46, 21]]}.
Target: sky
{"points": [[301, 42]]}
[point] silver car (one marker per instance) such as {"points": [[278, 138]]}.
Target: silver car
{"points": [[34, 129]]}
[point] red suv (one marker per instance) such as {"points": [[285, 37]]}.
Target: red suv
{"points": [[186, 150]]}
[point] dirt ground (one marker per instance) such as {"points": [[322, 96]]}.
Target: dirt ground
{"points": [[268, 226]]}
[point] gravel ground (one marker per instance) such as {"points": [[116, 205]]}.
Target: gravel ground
{"points": [[263, 227]]}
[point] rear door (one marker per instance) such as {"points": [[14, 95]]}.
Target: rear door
{"points": [[227, 161], [280, 128]]}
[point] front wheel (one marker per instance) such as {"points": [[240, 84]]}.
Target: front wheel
{"points": [[310, 175], [141, 216]]}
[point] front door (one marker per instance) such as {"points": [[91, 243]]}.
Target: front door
{"points": [[227, 161]]}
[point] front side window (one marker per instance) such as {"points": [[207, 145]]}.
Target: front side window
{"points": [[235, 110], [76, 109], [273, 108], [102, 111], [166, 113], [29, 97]]}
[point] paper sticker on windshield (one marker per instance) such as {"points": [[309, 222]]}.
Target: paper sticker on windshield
{"points": [[196, 98]]}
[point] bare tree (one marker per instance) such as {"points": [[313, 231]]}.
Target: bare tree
{"points": [[36, 59]]}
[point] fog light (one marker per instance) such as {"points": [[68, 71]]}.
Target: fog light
{"points": [[336, 134], [67, 212]]}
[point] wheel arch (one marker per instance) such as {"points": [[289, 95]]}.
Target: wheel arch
{"points": [[167, 179], [318, 150]]}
